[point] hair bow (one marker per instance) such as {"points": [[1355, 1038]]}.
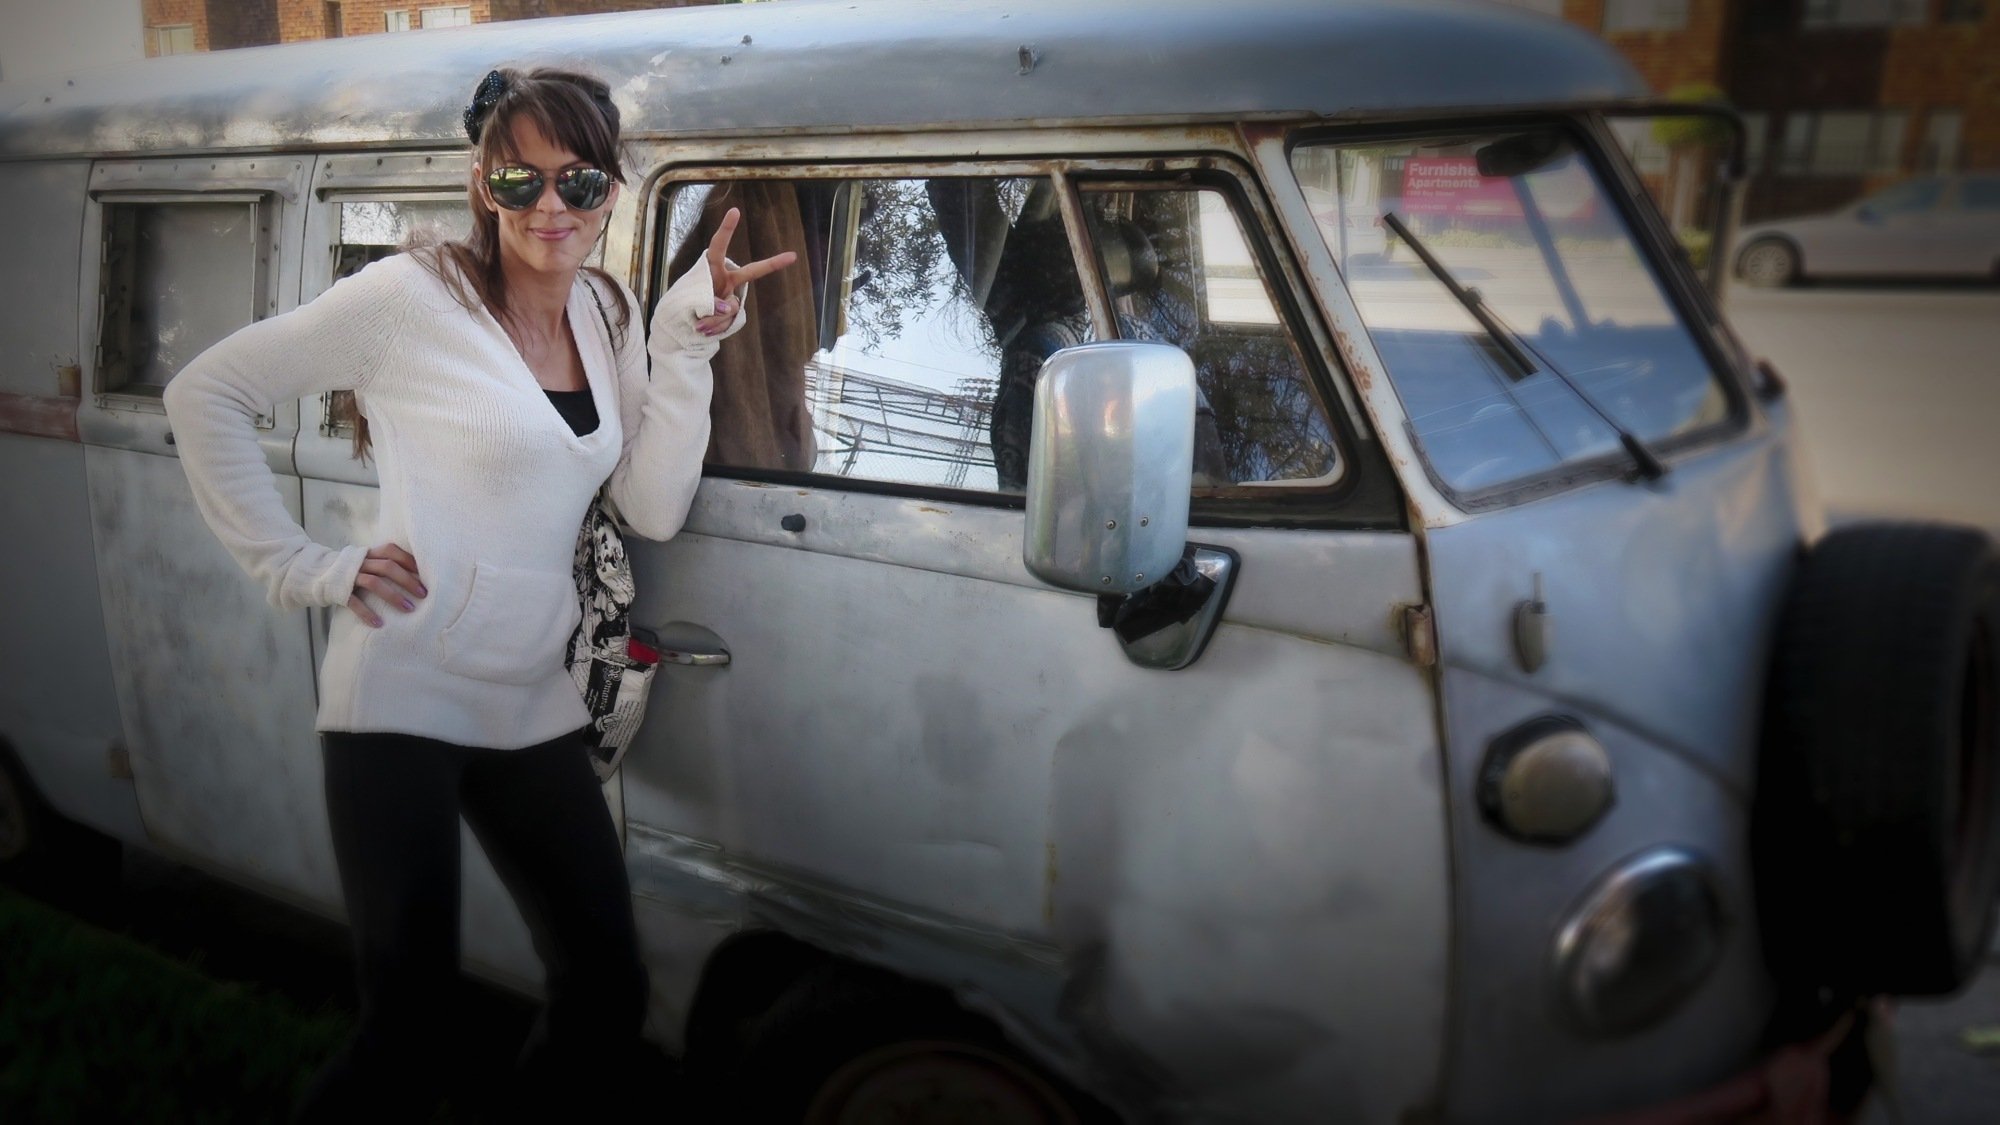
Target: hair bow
{"points": [[483, 98]]}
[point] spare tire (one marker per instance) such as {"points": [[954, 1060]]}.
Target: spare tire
{"points": [[1876, 840]]}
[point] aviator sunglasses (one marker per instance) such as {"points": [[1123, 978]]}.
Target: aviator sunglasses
{"points": [[516, 187]]}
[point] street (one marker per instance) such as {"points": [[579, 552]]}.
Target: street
{"points": [[1897, 393]]}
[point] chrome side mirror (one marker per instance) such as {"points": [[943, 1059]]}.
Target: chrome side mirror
{"points": [[1109, 466]]}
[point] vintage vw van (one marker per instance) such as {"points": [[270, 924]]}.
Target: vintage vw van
{"points": [[1244, 577]]}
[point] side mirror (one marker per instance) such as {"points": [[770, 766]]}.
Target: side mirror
{"points": [[1109, 466]]}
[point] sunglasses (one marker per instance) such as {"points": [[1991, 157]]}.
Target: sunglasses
{"points": [[517, 188]]}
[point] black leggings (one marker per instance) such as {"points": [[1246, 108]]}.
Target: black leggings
{"points": [[394, 802]]}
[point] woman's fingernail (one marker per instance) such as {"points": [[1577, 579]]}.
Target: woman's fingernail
{"points": [[421, 592], [409, 606]]}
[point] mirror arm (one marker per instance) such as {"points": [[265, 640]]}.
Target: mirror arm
{"points": [[1173, 600]]}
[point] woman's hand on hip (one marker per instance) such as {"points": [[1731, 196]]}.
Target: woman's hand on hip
{"points": [[389, 573], [730, 278]]}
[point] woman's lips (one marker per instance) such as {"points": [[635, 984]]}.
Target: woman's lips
{"points": [[553, 235]]}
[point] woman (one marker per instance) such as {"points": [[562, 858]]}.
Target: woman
{"points": [[501, 386]]}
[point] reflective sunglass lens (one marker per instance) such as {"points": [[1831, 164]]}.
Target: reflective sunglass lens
{"points": [[514, 188], [584, 188]]}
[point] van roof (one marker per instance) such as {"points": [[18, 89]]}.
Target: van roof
{"points": [[846, 65]]}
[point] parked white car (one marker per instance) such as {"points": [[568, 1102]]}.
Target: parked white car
{"points": [[1928, 226]]}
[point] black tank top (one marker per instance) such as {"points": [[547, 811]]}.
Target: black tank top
{"points": [[577, 408]]}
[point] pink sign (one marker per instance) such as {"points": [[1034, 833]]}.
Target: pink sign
{"points": [[1452, 185]]}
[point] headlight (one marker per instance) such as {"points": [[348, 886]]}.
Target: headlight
{"points": [[1645, 935]]}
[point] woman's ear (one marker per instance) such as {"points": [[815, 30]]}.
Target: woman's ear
{"points": [[479, 187]]}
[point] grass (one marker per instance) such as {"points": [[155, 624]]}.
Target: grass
{"points": [[97, 1027]]}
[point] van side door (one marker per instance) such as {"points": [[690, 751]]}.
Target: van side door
{"points": [[215, 686]]}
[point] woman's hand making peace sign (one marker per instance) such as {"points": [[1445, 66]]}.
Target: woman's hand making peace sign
{"points": [[730, 278]]}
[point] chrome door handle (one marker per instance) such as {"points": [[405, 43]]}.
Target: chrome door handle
{"points": [[696, 659], [684, 643]]}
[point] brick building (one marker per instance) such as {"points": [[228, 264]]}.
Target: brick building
{"points": [[1841, 97], [180, 26]]}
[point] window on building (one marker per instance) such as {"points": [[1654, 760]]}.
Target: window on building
{"points": [[1645, 15], [177, 39], [1865, 13], [330, 16], [177, 278], [410, 19], [1979, 193], [1941, 134], [1843, 143], [1756, 129]]}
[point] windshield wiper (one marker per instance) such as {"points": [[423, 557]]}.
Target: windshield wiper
{"points": [[1517, 349]]}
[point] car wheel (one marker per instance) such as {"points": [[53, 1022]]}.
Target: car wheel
{"points": [[20, 819], [847, 1045], [1768, 263], [42, 852], [1877, 818]]}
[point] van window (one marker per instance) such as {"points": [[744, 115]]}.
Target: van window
{"points": [[888, 352], [905, 346], [178, 276], [1180, 270], [1525, 221], [372, 229]]}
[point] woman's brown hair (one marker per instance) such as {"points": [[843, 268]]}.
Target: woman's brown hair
{"points": [[572, 110]]}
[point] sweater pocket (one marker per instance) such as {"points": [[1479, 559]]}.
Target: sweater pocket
{"points": [[514, 627]]}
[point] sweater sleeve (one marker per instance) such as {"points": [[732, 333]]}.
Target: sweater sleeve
{"points": [[336, 342], [665, 415]]}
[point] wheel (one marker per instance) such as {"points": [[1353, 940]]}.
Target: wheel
{"points": [[1876, 830], [850, 1046], [19, 815], [1768, 263], [42, 852]]}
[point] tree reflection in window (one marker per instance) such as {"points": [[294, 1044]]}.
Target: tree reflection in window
{"points": [[1181, 271]]}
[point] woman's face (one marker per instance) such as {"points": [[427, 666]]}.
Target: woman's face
{"points": [[548, 236]]}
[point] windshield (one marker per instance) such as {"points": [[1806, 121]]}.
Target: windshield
{"points": [[1523, 220]]}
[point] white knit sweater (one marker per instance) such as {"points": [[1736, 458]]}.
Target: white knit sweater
{"points": [[481, 481]]}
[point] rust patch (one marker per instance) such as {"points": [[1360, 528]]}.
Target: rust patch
{"points": [[1255, 132], [69, 381], [1362, 374], [46, 416], [934, 511]]}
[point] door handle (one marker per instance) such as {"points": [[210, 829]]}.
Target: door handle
{"points": [[684, 643], [695, 659]]}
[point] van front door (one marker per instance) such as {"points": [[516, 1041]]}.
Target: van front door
{"points": [[215, 686], [918, 755]]}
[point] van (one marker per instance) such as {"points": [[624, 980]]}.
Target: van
{"points": [[1244, 577]]}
